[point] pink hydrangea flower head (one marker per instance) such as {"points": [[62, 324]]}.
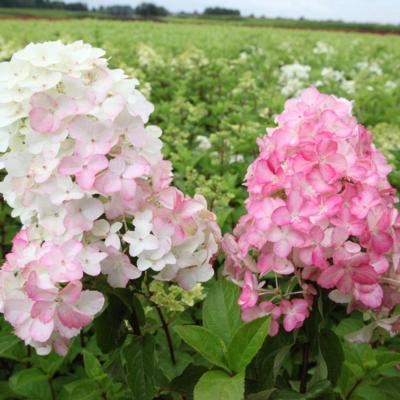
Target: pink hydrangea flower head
{"points": [[320, 212]]}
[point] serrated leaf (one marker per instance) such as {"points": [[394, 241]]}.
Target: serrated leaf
{"points": [[110, 331], [321, 370], [11, 347], [5, 391], [140, 367], [390, 388], [319, 389], [49, 364], [287, 395], [92, 366], [172, 371], [204, 342], [263, 395], [280, 358], [348, 326], [217, 385], [246, 343], [332, 352], [221, 313], [186, 382], [368, 392], [82, 389], [131, 302], [386, 360], [31, 383]]}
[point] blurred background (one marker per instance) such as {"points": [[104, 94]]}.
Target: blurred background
{"points": [[358, 14]]}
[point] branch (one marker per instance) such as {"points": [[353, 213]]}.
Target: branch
{"points": [[355, 386], [134, 323], [304, 368], [52, 391], [167, 335]]}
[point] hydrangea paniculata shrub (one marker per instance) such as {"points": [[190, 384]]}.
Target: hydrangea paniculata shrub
{"points": [[86, 177], [320, 213]]}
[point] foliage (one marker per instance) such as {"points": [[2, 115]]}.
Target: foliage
{"points": [[76, 6], [221, 11], [221, 82], [150, 10]]}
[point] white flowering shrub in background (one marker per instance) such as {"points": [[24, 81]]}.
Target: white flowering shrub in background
{"points": [[88, 181], [323, 48], [293, 78]]}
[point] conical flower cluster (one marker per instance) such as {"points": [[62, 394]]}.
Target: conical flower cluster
{"points": [[86, 177]]}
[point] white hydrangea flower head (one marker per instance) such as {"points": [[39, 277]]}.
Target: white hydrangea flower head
{"points": [[86, 177]]}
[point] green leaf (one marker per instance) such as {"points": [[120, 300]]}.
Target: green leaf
{"points": [[172, 371], [131, 302], [137, 307], [82, 389], [390, 388], [320, 390], [263, 395], [217, 385], [5, 391], [49, 364], [387, 359], [113, 366], [93, 367], [246, 343], [266, 359], [186, 382], [287, 395], [205, 342], [110, 331], [360, 357], [11, 347], [140, 367], [31, 383], [321, 370], [348, 325], [221, 313], [332, 352], [368, 392], [280, 358]]}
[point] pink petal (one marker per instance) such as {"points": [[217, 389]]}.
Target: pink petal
{"points": [[290, 322], [85, 179], [330, 277], [282, 248], [365, 275], [41, 120], [128, 189], [136, 170], [382, 242], [190, 207], [281, 216], [295, 201], [70, 165], [44, 311], [327, 147], [71, 317], [71, 293], [40, 331], [97, 163], [90, 302], [108, 183], [71, 248], [66, 107]]}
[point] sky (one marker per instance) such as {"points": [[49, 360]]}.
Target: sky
{"points": [[382, 11]]}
